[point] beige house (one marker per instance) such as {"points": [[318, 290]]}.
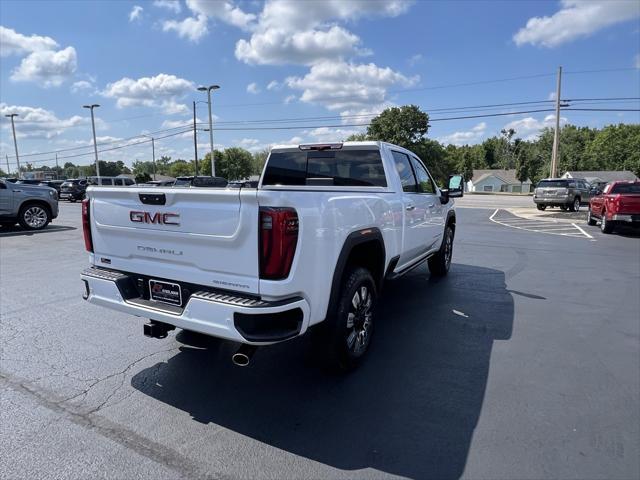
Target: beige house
{"points": [[497, 180]]}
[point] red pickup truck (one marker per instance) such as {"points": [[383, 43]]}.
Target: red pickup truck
{"points": [[618, 203]]}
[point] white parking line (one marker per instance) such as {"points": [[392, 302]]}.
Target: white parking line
{"points": [[550, 227]]}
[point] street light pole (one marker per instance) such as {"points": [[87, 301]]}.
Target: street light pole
{"points": [[195, 138], [15, 142], [95, 146], [208, 90], [556, 132]]}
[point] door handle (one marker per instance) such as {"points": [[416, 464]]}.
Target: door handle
{"points": [[17, 191], [431, 205], [410, 207]]}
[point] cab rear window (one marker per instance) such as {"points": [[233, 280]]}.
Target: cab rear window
{"points": [[626, 188], [345, 168]]}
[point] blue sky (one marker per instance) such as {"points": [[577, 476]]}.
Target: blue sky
{"points": [[345, 60]]}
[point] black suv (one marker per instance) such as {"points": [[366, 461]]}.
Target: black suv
{"points": [[73, 189]]}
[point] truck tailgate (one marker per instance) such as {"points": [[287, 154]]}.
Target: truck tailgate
{"points": [[204, 236]]}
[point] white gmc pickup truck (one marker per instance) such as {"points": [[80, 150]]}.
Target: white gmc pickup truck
{"points": [[310, 246]]}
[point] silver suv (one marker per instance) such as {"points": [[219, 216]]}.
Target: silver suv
{"points": [[33, 206], [566, 193]]}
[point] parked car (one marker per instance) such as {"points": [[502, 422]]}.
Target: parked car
{"points": [[311, 247], [200, 181], [73, 189], [55, 184], [111, 181], [32, 206], [617, 204], [28, 181], [566, 193]]}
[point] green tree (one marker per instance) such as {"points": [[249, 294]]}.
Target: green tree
{"points": [[236, 164], [204, 165], [140, 168], [259, 158], [403, 126], [181, 168], [616, 147]]}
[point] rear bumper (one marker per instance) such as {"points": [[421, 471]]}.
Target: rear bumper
{"points": [[629, 218], [563, 200], [219, 314]]}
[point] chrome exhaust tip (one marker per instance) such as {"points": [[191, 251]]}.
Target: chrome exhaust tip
{"points": [[243, 356]]}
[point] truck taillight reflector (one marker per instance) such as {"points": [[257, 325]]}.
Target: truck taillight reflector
{"points": [[278, 240], [86, 226]]}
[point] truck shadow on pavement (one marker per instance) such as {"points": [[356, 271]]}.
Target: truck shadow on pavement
{"points": [[17, 231], [410, 410]]}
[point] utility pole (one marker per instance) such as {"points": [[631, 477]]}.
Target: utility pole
{"points": [[7, 157], [57, 167], [95, 146], [195, 137], [556, 133], [15, 142], [153, 153], [208, 90]]}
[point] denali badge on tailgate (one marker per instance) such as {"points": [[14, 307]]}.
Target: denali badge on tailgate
{"points": [[159, 218]]}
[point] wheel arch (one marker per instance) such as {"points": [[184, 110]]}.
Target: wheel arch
{"points": [[365, 248], [35, 201]]}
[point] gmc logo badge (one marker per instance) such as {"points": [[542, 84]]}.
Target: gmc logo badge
{"points": [[156, 218]]}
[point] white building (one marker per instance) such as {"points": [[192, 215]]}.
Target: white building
{"points": [[497, 180]]}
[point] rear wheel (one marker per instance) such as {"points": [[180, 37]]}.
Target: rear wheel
{"points": [[606, 225], [34, 217], [575, 206], [541, 207], [345, 336], [440, 262], [590, 220]]}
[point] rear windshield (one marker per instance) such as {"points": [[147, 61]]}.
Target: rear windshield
{"points": [[626, 188], [345, 168], [553, 183]]}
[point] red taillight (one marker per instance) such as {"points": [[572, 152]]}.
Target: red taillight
{"points": [[86, 226], [278, 239]]}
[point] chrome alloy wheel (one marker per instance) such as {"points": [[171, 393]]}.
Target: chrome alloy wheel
{"points": [[359, 320], [35, 217]]}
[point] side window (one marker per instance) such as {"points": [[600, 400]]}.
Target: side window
{"points": [[128, 181], [403, 167], [424, 180], [118, 182], [106, 181], [2, 185]]}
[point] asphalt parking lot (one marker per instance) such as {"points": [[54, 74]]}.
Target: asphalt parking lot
{"points": [[523, 363]]}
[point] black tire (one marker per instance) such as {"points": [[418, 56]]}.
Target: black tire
{"points": [[34, 216], [541, 207], [575, 206], [344, 337], [606, 226], [563, 208], [440, 262], [590, 220]]}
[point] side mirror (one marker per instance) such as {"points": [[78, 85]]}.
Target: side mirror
{"points": [[456, 186]]}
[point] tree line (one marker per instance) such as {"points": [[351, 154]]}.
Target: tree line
{"points": [[614, 147]]}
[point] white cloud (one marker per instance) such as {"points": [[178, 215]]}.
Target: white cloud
{"points": [[415, 59], [289, 99], [277, 46], [326, 134], [253, 88], [465, 137], [575, 19], [551, 96], [171, 5], [529, 128], [192, 28], [346, 86], [161, 91], [43, 64], [14, 43], [305, 32], [47, 67], [274, 85], [81, 85], [135, 13], [35, 122], [222, 10]]}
